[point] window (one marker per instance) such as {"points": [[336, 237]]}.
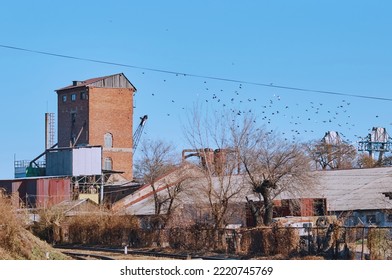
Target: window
{"points": [[108, 164], [108, 140], [319, 207], [351, 221], [83, 95], [73, 96], [64, 98], [371, 219]]}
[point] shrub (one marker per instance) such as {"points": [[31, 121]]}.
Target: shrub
{"points": [[10, 225], [102, 229], [379, 243]]}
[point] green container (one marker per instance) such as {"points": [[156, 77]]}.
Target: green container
{"points": [[35, 171]]}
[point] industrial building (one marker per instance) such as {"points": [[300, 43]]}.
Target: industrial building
{"points": [[359, 196], [93, 159], [94, 150], [99, 112]]}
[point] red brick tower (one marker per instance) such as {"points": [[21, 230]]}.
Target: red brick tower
{"points": [[99, 112]]}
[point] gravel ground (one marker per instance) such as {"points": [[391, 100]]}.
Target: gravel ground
{"points": [[116, 256]]}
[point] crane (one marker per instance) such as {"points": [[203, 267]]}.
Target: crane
{"points": [[138, 132]]}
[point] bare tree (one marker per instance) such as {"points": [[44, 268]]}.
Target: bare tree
{"points": [[157, 160], [339, 155], [266, 164], [366, 161], [219, 186], [272, 165], [171, 192]]}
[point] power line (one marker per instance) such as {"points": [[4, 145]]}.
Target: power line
{"points": [[271, 85]]}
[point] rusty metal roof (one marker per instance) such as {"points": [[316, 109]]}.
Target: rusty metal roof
{"points": [[344, 190], [112, 81]]}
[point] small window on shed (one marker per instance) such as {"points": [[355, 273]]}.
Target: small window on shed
{"points": [[389, 218], [108, 140], [371, 219], [108, 164]]}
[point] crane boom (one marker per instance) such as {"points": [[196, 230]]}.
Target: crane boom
{"points": [[138, 132]]}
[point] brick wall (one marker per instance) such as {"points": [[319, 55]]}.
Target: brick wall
{"points": [[111, 111], [66, 108], [106, 110]]}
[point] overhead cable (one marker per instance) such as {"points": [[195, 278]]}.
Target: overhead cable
{"points": [[270, 85]]}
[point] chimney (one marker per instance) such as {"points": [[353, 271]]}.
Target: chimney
{"points": [[220, 160], [207, 157]]}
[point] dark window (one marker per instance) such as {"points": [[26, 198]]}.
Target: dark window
{"points": [[371, 219], [389, 218], [64, 98], [83, 95], [73, 96], [352, 221], [319, 207]]}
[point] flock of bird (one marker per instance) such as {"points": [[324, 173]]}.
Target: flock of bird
{"points": [[294, 115]]}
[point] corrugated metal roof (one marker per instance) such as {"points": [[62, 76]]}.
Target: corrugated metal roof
{"points": [[344, 190], [112, 81], [71, 206], [356, 189], [145, 192], [196, 193]]}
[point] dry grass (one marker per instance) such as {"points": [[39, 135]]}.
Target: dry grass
{"points": [[9, 226], [16, 242], [379, 244], [286, 240], [101, 228]]}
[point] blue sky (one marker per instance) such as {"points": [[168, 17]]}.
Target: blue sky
{"points": [[342, 47]]}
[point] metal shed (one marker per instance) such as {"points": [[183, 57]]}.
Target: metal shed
{"points": [[78, 161], [38, 192]]}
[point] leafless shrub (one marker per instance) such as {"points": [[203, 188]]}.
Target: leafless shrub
{"points": [[10, 225], [258, 241], [270, 241], [16, 242], [195, 238], [101, 229], [44, 228], [286, 240], [379, 243]]}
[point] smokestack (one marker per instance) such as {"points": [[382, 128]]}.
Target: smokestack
{"points": [[220, 160], [207, 157]]}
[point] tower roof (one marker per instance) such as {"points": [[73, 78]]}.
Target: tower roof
{"points": [[113, 81]]}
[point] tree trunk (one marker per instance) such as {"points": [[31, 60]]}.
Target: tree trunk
{"points": [[268, 212], [268, 206]]}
